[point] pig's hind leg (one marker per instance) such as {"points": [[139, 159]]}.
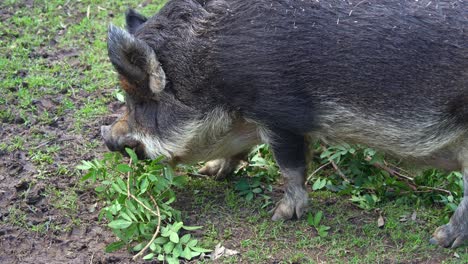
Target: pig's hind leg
{"points": [[455, 233]]}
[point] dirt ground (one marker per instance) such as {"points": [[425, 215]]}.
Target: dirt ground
{"points": [[27, 202], [23, 187]]}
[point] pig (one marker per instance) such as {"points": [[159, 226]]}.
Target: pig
{"points": [[206, 80]]}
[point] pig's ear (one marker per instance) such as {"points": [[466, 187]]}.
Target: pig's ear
{"points": [[133, 20], [135, 60]]}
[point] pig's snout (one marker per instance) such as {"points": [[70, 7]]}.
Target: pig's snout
{"points": [[106, 133], [115, 141]]}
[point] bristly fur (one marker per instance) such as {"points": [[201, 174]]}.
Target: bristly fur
{"points": [[384, 73]]}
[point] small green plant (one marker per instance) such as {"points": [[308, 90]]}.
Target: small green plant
{"points": [[320, 184], [252, 187], [365, 201], [138, 198], [262, 171], [369, 178], [314, 221]]}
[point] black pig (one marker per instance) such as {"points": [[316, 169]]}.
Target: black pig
{"points": [[207, 80]]}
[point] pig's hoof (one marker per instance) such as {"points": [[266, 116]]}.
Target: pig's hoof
{"points": [[219, 168], [294, 203], [449, 236]]}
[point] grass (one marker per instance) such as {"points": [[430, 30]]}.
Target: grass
{"points": [[354, 236], [55, 78]]}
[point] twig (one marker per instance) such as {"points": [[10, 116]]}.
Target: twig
{"points": [[394, 173], [155, 233], [50, 141], [436, 189], [337, 169], [406, 178], [128, 180], [317, 170], [157, 213]]}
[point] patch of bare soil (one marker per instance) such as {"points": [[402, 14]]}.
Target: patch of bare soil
{"points": [[33, 227], [25, 205]]}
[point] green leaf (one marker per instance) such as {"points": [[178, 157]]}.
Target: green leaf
{"points": [[176, 227], [144, 185], [152, 178], [89, 175], [180, 181], [116, 187], [100, 188], [310, 219], [177, 251], [122, 185], [199, 249], [174, 237], [132, 154], [168, 247], [115, 208], [192, 243], [161, 240], [318, 218], [125, 216], [120, 97], [193, 253], [185, 238], [172, 260], [131, 215], [149, 256], [124, 168], [129, 233], [242, 184], [139, 247], [319, 184], [187, 254], [169, 174], [85, 165], [119, 224], [166, 232], [153, 246], [191, 228], [114, 246], [161, 258], [257, 190]]}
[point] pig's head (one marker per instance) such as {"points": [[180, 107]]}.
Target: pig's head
{"points": [[165, 114], [155, 122]]}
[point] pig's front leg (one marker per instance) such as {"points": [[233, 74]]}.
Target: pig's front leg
{"points": [[455, 233], [289, 152]]}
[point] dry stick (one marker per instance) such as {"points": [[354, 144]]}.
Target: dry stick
{"points": [[436, 189], [399, 169], [158, 213], [336, 167], [406, 178], [155, 233], [128, 180], [387, 167], [317, 170], [393, 173]]}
